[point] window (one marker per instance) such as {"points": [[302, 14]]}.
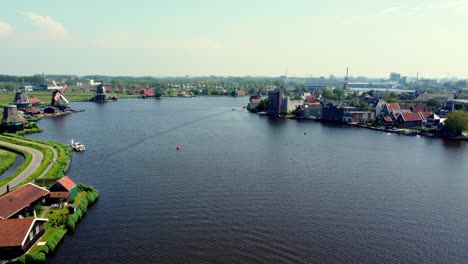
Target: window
{"points": [[31, 235], [37, 229]]}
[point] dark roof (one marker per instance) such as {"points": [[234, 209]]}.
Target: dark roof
{"points": [[13, 232], [16, 200], [59, 195], [67, 183]]}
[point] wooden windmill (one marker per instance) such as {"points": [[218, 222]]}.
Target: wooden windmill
{"points": [[58, 98]]}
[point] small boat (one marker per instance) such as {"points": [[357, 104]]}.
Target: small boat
{"points": [[77, 146]]}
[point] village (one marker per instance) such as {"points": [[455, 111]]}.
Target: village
{"points": [[405, 112]]}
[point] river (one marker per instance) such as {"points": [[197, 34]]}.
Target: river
{"points": [[244, 188]]}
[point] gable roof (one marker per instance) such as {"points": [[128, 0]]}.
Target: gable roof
{"points": [[409, 117], [13, 232], [67, 183], [393, 106], [16, 200]]}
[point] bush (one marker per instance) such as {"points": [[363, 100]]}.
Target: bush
{"points": [[70, 224], [35, 258], [51, 244], [45, 249]]}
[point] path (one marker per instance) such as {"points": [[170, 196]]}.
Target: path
{"points": [[36, 161], [32, 166]]}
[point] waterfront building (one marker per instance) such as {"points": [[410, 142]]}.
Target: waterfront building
{"points": [[275, 100], [18, 235], [62, 190], [21, 201], [334, 113], [289, 105]]}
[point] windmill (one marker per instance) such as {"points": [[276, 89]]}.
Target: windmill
{"points": [[58, 98], [21, 99]]}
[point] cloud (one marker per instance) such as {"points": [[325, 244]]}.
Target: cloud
{"points": [[5, 29], [458, 7], [47, 24]]}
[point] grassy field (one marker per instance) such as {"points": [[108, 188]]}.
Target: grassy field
{"points": [[6, 160]]}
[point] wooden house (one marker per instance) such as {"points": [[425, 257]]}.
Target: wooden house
{"points": [[18, 235], [63, 190], [21, 201]]}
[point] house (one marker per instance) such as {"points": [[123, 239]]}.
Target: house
{"points": [[51, 110], [18, 235], [63, 190], [32, 111], [358, 116], [433, 120], [21, 201], [34, 101], [333, 113], [389, 107], [289, 105], [309, 111], [411, 119], [147, 92]]}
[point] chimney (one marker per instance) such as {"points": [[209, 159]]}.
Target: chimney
{"points": [[8, 188]]}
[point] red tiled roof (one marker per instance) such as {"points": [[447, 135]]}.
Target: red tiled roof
{"points": [[67, 183], [14, 231], [16, 200], [59, 195], [408, 117], [393, 106], [425, 115], [34, 101], [388, 119], [32, 110], [256, 100]]}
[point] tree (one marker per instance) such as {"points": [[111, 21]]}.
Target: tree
{"points": [[371, 92], [364, 107], [339, 92], [434, 102], [456, 123]]}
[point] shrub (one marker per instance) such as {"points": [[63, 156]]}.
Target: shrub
{"points": [[45, 249], [51, 244], [70, 224], [35, 258]]}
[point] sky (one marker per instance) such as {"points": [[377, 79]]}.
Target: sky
{"points": [[235, 38]]}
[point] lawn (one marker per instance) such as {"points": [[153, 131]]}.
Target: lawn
{"points": [[7, 159]]}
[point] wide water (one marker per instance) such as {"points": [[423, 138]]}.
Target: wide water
{"points": [[249, 189]]}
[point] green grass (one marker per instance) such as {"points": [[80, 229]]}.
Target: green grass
{"points": [[6, 160], [59, 166], [27, 160]]}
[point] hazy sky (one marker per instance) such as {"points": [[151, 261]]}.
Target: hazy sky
{"points": [[242, 37]]}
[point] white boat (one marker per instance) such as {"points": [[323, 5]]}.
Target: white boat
{"points": [[77, 146]]}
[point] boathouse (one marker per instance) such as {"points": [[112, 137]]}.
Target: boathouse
{"points": [[63, 190]]}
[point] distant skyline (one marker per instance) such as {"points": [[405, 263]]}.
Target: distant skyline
{"points": [[235, 38]]}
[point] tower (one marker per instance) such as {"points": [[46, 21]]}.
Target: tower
{"points": [[345, 83]]}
